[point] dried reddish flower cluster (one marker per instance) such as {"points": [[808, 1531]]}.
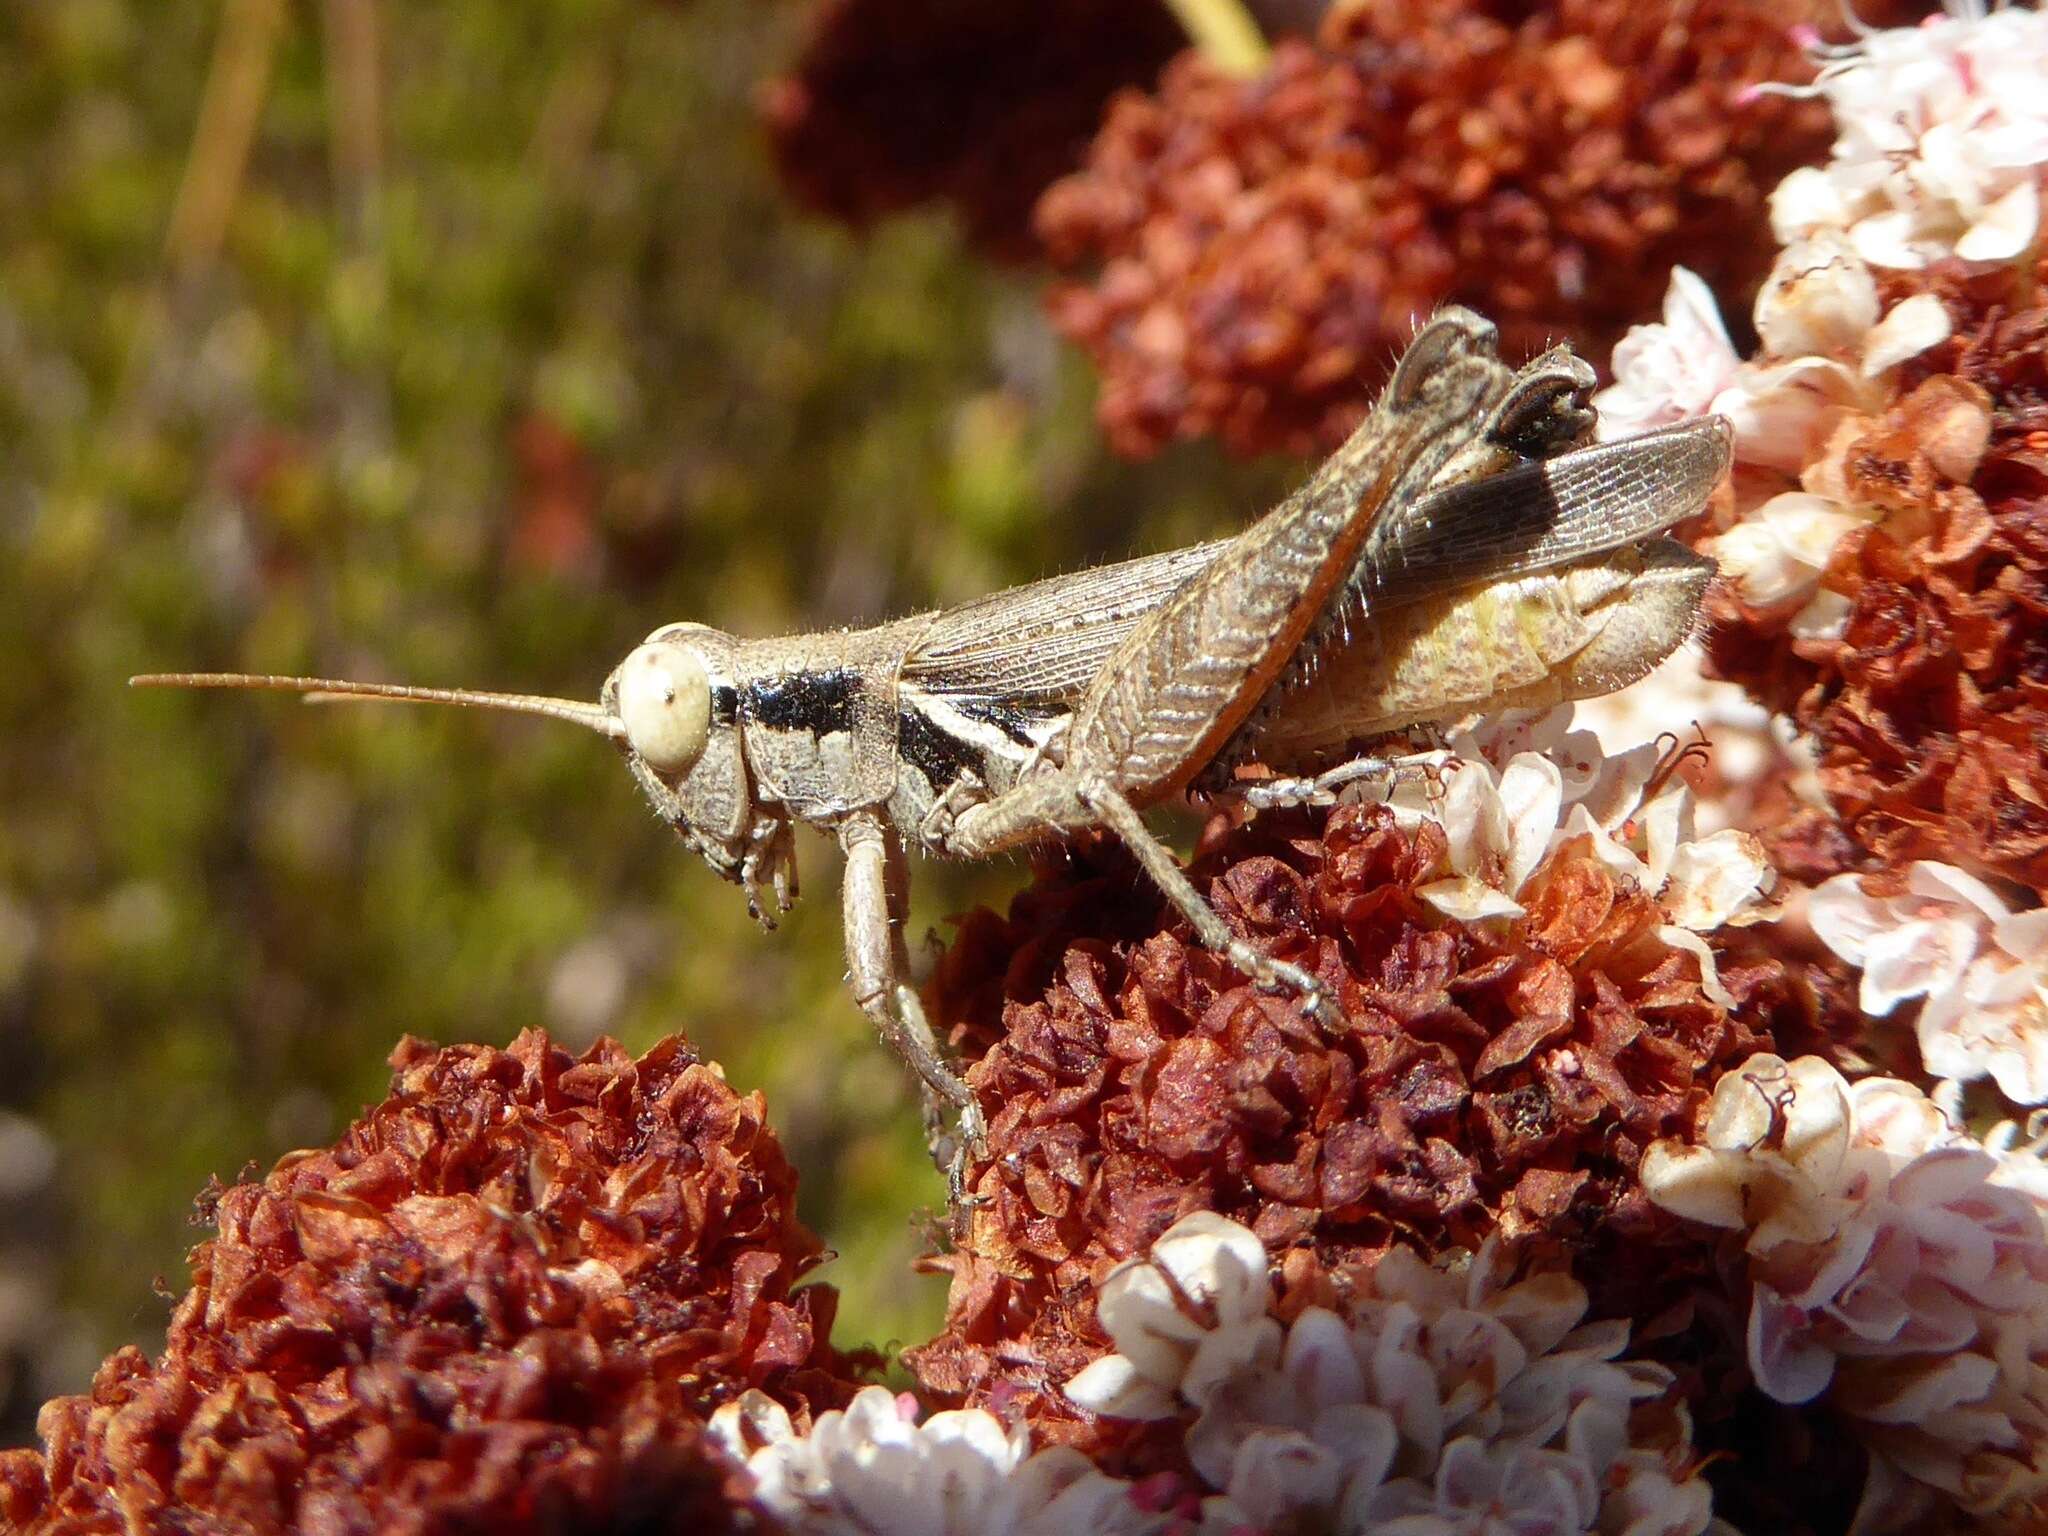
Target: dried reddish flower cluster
{"points": [[1500, 1078], [979, 104], [1930, 711], [504, 1300], [1258, 251]]}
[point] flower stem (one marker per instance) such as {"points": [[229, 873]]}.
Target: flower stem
{"points": [[1223, 30]]}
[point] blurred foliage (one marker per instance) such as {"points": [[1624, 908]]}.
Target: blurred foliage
{"points": [[495, 351]]}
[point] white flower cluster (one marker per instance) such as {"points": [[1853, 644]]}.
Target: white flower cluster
{"points": [[1900, 1268], [1510, 791], [873, 1470], [1943, 133], [1751, 749], [1942, 143], [1982, 968], [1440, 1403]]}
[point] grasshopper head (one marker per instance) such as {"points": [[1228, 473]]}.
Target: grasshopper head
{"points": [[677, 708]]}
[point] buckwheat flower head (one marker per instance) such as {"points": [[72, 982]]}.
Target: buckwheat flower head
{"points": [[1877, 538], [1243, 256], [873, 1468], [1899, 1269], [1426, 1401], [1942, 133], [504, 1300], [1950, 939]]}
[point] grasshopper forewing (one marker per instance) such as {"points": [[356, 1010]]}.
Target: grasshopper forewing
{"points": [[1465, 549]]}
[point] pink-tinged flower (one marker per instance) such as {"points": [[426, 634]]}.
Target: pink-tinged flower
{"points": [[1900, 1269], [1982, 968], [1670, 370], [1942, 136], [1784, 413]]}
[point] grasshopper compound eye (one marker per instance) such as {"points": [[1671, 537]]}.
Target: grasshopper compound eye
{"points": [[664, 701]]}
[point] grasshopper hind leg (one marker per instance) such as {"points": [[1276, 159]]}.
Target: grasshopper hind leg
{"points": [[1324, 788], [1158, 862]]}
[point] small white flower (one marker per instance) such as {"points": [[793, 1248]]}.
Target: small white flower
{"points": [[1189, 1313], [1782, 413], [1499, 826], [1670, 371], [1950, 938], [1819, 299], [1775, 556]]}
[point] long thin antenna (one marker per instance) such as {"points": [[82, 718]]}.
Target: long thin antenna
{"points": [[322, 689]]}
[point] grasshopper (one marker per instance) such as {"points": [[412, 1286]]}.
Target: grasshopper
{"points": [[1467, 548]]}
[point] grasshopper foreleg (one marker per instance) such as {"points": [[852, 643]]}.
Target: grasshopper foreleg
{"points": [[876, 963]]}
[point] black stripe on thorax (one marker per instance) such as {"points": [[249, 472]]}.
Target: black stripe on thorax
{"points": [[820, 701]]}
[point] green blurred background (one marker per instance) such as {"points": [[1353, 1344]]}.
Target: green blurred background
{"points": [[457, 344]]}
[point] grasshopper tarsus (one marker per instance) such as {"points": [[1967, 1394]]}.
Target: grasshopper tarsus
{"points": [[1278, 978]]}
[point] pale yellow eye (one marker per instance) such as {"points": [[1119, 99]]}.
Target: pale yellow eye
{"points": [[664, 701]]}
